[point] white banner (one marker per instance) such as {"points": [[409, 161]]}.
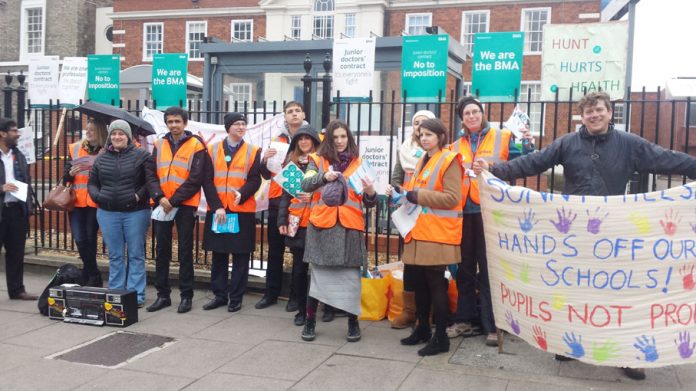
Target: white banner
{"points": [[584, 58], [73, 81], [605, 280], [353, 68], [375, 150], [25, 144], [43, 80]]}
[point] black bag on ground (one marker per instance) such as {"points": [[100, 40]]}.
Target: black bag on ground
{"points": [[66, 274]]}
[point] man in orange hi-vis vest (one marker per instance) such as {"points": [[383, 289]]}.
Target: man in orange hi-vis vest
{"points": [[175, 175]]}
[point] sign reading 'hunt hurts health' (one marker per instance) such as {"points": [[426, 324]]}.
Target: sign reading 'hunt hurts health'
{"points": [[605, 280]]}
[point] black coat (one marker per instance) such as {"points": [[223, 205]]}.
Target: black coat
{"points": [[116, 177], [599, 165]]}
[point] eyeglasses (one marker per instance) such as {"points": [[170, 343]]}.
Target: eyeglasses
{"points": [[471, 113]]}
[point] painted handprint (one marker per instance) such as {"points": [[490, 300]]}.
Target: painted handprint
{"points": [[684, 346], [693, 227], [564, 220], [647, 347], [540, 337], [605, 351], [669, 224], [498, 217], [558, 301], [687, 274], [507, 269], [524, 273], [575, 345], [527, 221], [641, 222], [515, 325], [594, 220]]}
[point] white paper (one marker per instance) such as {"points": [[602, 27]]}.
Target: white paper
{"points": [[159, 214], [405, 217], [365, 172], [22, 189], [275, 163], [517, 122], [26, 144], [292, 174]]}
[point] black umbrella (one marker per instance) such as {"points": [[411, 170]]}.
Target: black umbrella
{"points": [[108, 113]]}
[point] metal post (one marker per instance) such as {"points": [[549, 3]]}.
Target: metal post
{"points": [[326, 93], [7, 90], [631, 30], [307, 88], [21, 99]]}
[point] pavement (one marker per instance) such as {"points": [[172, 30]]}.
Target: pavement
{"points": [[261, 349]]}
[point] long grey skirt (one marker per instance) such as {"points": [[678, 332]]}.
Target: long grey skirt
{"points": [[338, 287]]}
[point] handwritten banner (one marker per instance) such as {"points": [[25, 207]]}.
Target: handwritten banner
{"points": [[606, 280]]}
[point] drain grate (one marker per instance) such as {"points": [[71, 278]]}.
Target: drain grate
{"points": [[114, 349]]}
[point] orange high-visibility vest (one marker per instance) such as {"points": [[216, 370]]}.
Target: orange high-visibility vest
{"points": [[233, 177], [173, 171], [494, 148], [301, 210], [350, 214], [436, 225], [82, 198], [274, 189]]}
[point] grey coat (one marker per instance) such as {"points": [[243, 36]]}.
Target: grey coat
{"points": [[599, 164]]}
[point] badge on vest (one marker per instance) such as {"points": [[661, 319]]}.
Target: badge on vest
{"points": [[426, 173]]}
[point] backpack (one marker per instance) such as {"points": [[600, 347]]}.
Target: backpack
{"points": [[66, 274]]}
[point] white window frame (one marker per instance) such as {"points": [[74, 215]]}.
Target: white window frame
{"points": [[407, 25], [522, 102], [325, 18], [240, 21], [24, 54], [353, 26], [188, 38], [526, 35], [250, 94], [297, 28], [468, 46], [619, 112], [145, 26]]}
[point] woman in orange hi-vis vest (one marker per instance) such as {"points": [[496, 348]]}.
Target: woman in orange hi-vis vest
{"points": [[83, 219], [293, 216], [478, 140], [433, 243], [409, 154], [335, 246]]}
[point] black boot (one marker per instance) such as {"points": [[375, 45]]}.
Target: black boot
{"points": [[438, 344], [308, 332], [421, 334], [353, 329]]}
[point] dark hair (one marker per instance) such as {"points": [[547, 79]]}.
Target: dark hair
{"points": [[592, 98], [295, 154], [436, 126], [468, 100], [291, 104], [327, 149], [6, 124], [174, 111]]}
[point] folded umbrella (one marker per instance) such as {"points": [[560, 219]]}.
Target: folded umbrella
{"points": [[108, 113]]}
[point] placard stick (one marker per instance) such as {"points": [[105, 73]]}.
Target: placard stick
{"points": [[60, 126]]}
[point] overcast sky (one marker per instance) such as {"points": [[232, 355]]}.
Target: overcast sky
{"points": [[664, 42]]}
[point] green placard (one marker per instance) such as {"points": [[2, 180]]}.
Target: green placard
{"points": [[169, 79], [424, 67], [497, 68], [103, 78]]}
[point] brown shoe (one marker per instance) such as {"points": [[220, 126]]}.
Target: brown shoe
{"points": [[24, 296], [408, 315]]}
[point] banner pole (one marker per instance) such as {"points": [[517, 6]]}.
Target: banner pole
{"points": [[60, 126]]}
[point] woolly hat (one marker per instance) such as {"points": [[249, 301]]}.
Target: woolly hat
{"points": [[423, 113], [304, 130], [465, 101], [121, 125], [231, 118], [335, 193]]}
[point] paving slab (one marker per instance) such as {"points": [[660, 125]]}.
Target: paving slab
{"points": [[424, 379], [58, 336], [172, 324], [243, 329], [521, 385], [664, 377], [14, 356], [136, 381], [380, 342], [54, 375], [224, 381], [23, 325], [328, 333]]}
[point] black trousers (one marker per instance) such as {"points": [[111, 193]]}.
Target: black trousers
{"points": [[430, 286], [84, 227], [222, 285], [474, 260], [13, 235], [276, 250], [299, 278], [185, 221], [408, 278]]}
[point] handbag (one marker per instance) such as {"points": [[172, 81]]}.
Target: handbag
{"points": [[61, 198]]}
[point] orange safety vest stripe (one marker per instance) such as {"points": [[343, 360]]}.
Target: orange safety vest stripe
{"points": [[173, 171], [233, 177], [494, 148], [350, 214], [274, 189], [436, 225], [300, 209], [82, 198]]}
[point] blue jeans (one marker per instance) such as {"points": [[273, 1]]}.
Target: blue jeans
{"points": [[121, 231]]}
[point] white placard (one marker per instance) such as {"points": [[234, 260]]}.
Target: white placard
{"points": [[375, 150], [275, 163], [73, 81], [160, 215], [43, 80], [353, 68], [25, 144], [405, 217], [22, 190]]}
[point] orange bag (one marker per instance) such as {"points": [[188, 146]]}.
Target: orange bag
{"points": [[452, 293], [374, 297], [396, 300]]}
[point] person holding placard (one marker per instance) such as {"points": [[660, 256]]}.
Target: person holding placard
{"points": [[409, 154], [335, 246], [478, 140], [294, 119], [597, 160], [83, 219], [117, 184], [14, 212], [230, 183], [293, 216], [433, 243]]}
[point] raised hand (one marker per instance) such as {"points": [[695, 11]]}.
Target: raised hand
{"points": [[540, 337], [527, 221], [604, 352], [565, 220], [687, 277], [647, 347], [594, 221], [669, 224], [575, 345], [515, 325], [684, 346]]}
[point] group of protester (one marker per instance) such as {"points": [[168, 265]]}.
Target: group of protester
{"points": [[323, 224]]}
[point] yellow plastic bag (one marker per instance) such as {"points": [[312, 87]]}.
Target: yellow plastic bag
{"points": [[396, 300], [374, 298]]}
